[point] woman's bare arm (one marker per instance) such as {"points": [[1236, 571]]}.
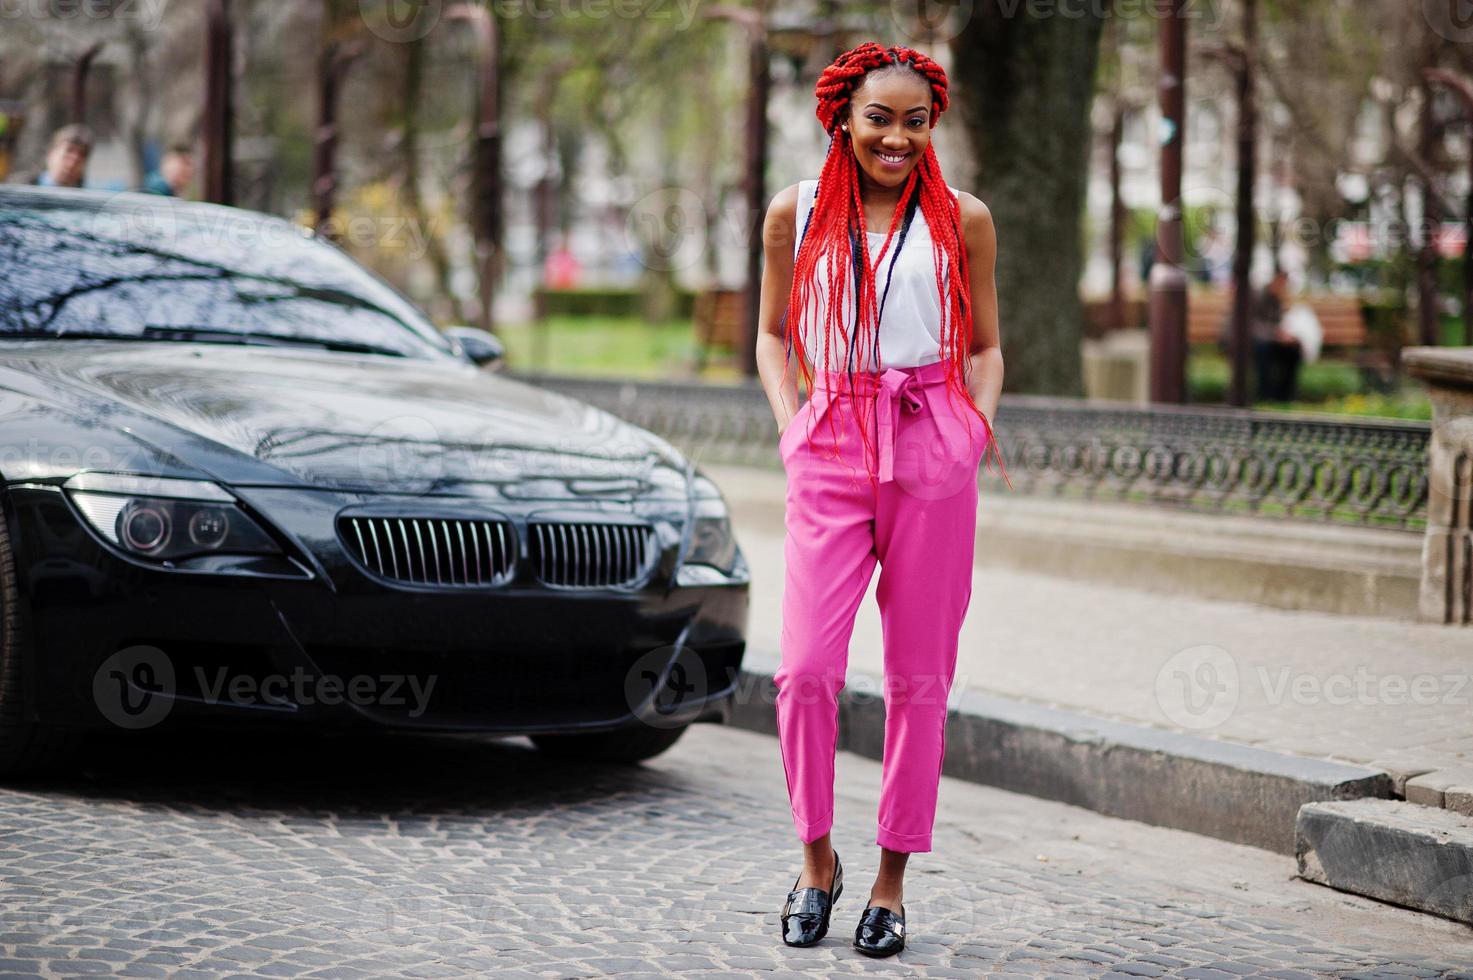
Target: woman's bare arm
{"points": [[986, 371], [779, 230]]}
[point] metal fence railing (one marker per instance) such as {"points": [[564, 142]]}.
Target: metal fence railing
{"points": [[1324, 468]]}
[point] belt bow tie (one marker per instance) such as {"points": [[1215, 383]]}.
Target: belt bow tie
{"points": [[897, 388]]}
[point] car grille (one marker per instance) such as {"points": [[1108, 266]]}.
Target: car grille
{"points": [[434, 551], [590, 556]]}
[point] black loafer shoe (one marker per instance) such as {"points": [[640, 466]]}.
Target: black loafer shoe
{"points": [[881, 932], [806, 913]]}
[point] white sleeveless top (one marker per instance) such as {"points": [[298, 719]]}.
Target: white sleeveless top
{"points": [[911, 322]]}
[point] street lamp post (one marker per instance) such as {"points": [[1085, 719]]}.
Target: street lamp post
{"points": [[1168, 278], [1464, 88], [1239, 60], [332, 66], [487, 214], [218, 123], [754, 183]]}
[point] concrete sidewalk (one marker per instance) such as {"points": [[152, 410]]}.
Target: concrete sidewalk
{"points": [[1208, 676]]}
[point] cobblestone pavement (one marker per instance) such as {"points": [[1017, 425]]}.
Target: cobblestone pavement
{"points": [[1380, 692], [450, 857]]}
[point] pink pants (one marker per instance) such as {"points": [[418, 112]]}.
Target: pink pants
{"points": [[917, 518]]}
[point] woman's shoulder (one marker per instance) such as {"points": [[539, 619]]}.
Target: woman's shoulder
{"points": [[782, 211], [973, 212]]}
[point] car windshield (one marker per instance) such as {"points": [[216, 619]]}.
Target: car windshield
{"points": [[145, 271]]}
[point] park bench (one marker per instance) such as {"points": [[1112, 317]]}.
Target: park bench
{"points": [[717, 318], [1339, 316]]}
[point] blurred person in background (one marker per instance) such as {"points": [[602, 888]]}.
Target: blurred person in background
{"points": [[1277, 352], [66, 160], [562, 269], [175, 173]]}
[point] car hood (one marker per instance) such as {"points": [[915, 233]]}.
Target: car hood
{"points": [[293, 416]]}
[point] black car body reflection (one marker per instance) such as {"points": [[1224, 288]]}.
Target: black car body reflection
{"points": [[237, 466]]}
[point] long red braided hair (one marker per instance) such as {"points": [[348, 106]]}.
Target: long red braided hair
{"points": [[838, 214]]}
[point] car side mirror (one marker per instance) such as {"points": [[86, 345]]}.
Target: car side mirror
{"points": [[478, 346]]}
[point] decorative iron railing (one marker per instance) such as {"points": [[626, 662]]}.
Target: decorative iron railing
{"points": [[1323, 468]]}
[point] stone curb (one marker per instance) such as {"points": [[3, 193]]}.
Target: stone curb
{"points": [[1390, 850], [1221, 789]]}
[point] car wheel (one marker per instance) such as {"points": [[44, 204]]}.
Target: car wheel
{"points": [[25, 746], [631, 745]]}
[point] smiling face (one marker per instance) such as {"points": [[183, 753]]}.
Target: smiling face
{"points": [[890, 125]]}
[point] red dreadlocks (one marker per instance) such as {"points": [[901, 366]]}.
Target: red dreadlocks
{"points": [[839, 210]]}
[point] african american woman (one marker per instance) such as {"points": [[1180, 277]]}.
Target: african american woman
{"points": [[878, 282]]}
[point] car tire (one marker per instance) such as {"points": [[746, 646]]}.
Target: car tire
{"points": [[26, 746], [630, 745]]}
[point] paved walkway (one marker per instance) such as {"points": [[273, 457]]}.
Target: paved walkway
{"points": [[460, 856], [1385, 693]]}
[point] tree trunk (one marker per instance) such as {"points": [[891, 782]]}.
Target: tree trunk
{"points": [[445, 300], [1026, 84]]}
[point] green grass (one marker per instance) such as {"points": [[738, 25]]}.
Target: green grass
{"points": [[1452, 332], [623, 347], [1324, 386], [1406, 403], [631, 347]]}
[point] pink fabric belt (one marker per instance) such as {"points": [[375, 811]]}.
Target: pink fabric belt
{"points": [[896, 388]]}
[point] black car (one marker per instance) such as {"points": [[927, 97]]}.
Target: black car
{"points": [[245, 481]]}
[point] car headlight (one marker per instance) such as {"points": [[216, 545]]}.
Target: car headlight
{"points": [[167, 519], [711, 541]]}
